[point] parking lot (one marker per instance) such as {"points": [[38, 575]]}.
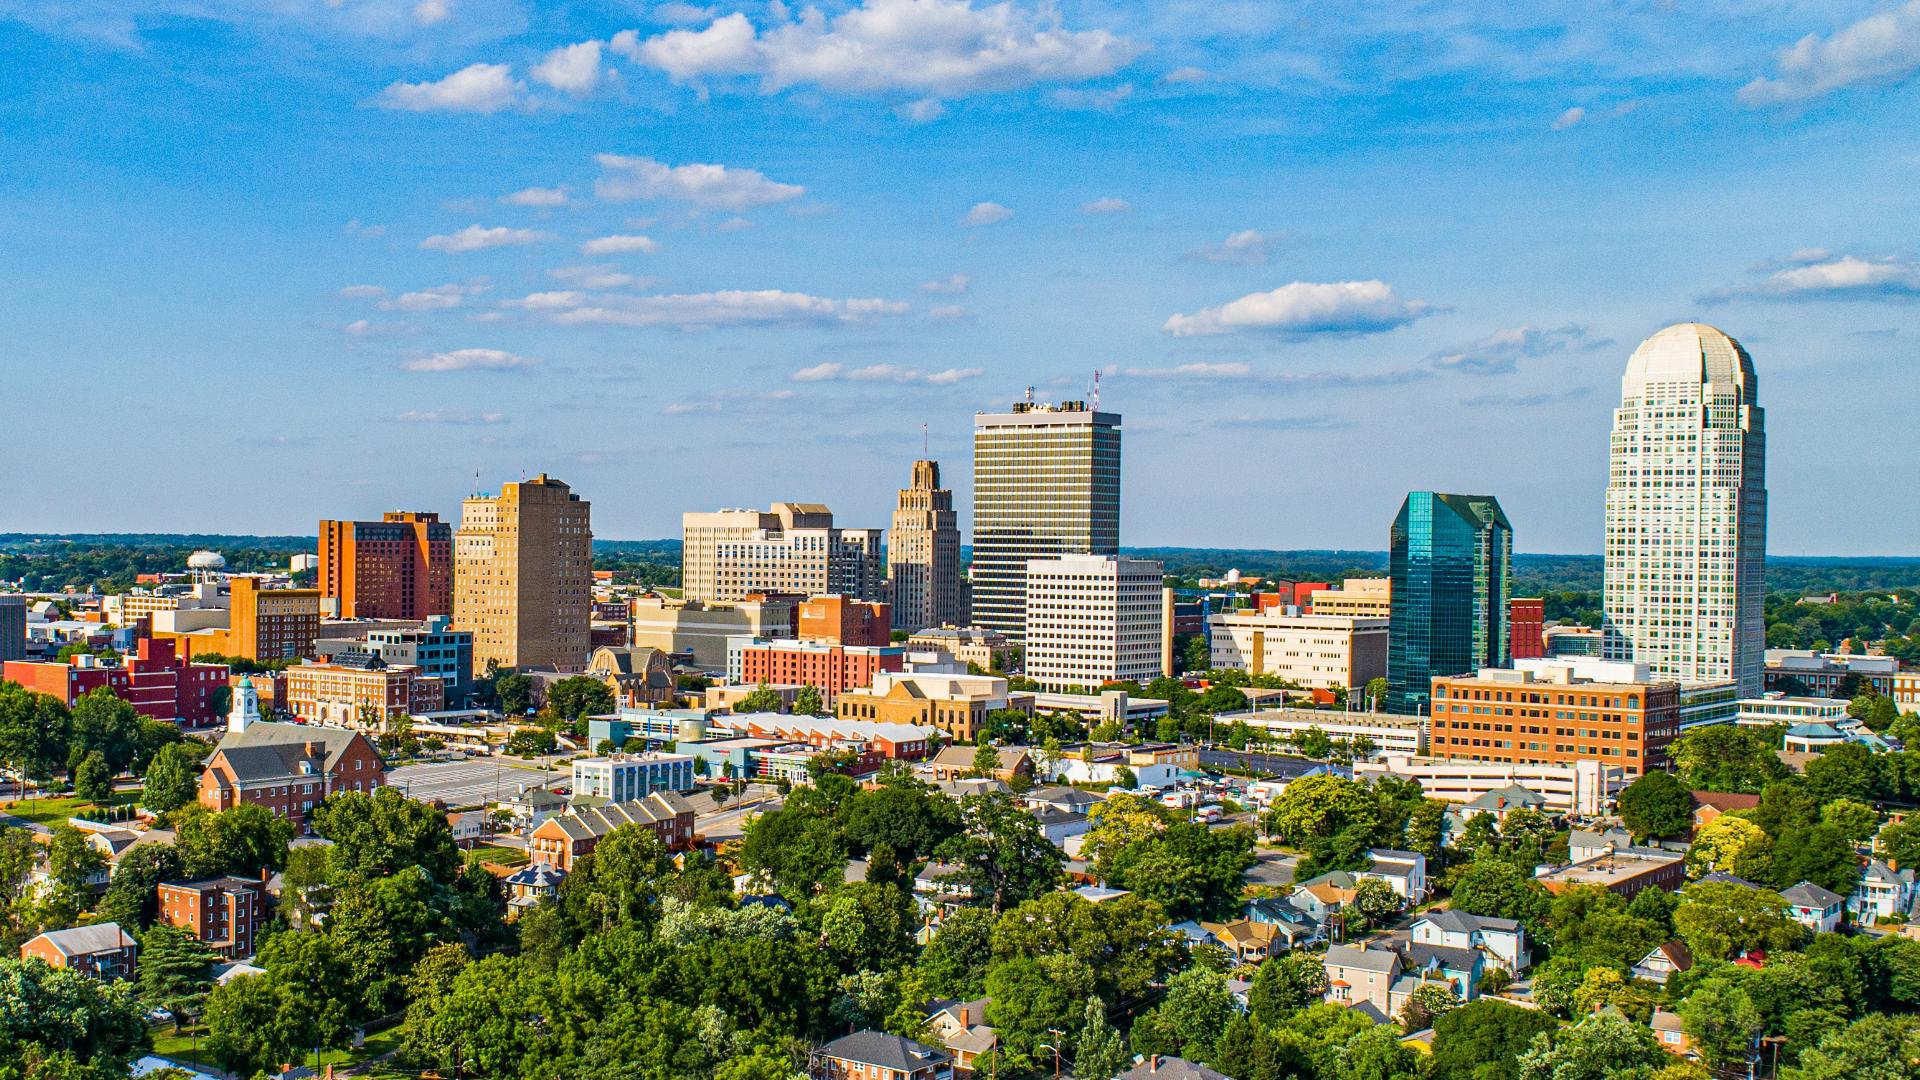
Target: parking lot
{"points": [[470, 783]]}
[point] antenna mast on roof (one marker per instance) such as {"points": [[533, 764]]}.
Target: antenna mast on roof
{"points": [[926, 442], [1096, 389], [1029, 395]]}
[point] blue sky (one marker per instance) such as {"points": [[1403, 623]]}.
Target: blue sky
{"points": [[277, 260]]}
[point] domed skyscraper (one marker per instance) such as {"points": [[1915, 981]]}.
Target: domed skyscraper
{"points": [[1687, 512]]}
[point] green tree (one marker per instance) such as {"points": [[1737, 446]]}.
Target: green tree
{"points": [[1427, 1003], [1656, 805], [1189, 869], [93, 781], [1854, 819], [56, 1024], [1498, 888], [1483, 1040], [1726, 757], [1720, 843], [1376, 901], [243, 840], [1722, 1021], [104, 723], [579, 696], [35, 731], [1376, 691], [175, 971], [71, 864], [132, 898], [1285, 984], [378, 834], [807, 701], [1195, 1010], [1002, 854], [1124, 942], [173, 777], [1317, 807], [762, 699], [1874, 1047], [1603, 1046], [1721, 920], [986, 760], [515, 692], [1100, 1050]]}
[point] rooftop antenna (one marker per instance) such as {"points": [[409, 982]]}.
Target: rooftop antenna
{"points": [[1096, 389], [1029, 395], [926, 442]]}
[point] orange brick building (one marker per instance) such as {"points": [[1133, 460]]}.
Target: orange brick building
{"points": [[400, 567], [839, 620], [1545, 715], [357, 690], [832, 669], [224, 913]]}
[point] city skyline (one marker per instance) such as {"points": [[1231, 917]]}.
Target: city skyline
{"points": [[650, 250]]}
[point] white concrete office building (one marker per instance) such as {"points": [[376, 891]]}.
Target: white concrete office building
{"points": [[1319, 652], [1687, 512], [1093, 619], [727, 555]]}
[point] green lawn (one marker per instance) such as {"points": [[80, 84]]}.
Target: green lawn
{"points": [[174, 1044], [501, 856], [57, 809]]}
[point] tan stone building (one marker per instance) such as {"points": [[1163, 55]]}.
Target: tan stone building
{"points": [[701, 629], [1360, 598], [358, 690], [523, 575], [1316, 651], [793, 548], [923, 554], [956, 704], [967, 644]]}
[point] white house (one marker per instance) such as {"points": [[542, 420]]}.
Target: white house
{"points": [[1503, 940], [1405, 871], [1883, 892], [1664, 962], [1813, 907]]}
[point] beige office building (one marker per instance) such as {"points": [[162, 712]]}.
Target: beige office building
{"points": [[1319, 652], [702, 629], [1094, 619], [923, 555], [727, 555], [523, 575], [1360, 598]]}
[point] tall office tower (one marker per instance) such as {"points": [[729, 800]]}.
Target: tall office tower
{"points": [[400, 567], [793, 548], [1094, 619], [1687, 512], [523, 575], [1046, 483], [1451, 567], [13, 628], [923, 554]]}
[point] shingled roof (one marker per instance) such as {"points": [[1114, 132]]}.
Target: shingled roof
{"points": [[268, 752], [586, 823], [887, 1051]]}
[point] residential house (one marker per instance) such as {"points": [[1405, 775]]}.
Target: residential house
{"points": [[1405, 871], [1325, 898], [1664, 962], [1099, 894], [1883, 893], [1503, 940], [956, 762], [962, 1030], [1708, 805], [533, 806], [1813, 907], [1385, 977], [528, 886], [1067, 800], [565, 837], [938, 892], [1245, 941], [1584, 844], [1672, 1034], [1291, 926], [1059, 826], [876, 1055], [1166, 1067], [1503, 801], [102, 951]]}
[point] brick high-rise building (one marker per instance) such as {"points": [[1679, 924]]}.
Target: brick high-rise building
{"points": [[1555, 712], [400, 567], [271, 624], [923, 555], [1526, 627], [523, 575]]}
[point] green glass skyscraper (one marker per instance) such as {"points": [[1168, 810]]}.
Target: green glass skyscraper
{"points": [[1452, 569]]}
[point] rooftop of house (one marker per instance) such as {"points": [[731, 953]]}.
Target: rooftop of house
{"points": [[886, 1051], [87, 940], [1807, 894], [268, 750], [1460, 922], [1158, 1067]]}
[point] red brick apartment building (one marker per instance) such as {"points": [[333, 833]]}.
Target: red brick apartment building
{"points": [[400, 567], [152, 679], [832, 669], [224, 913]]}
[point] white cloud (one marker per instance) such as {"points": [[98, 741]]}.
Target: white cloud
{"points": [[704, 311], [681, 408], [358, 328], [1108, 205], [545, 197], [1105, 100], [986, 213], [921, 111], [1818, 274], [734, 224], [437, 298], [1500, 353], [948, 313], [468, 360], [1305, 307], [601, 277], [1248, 246], [617, 245], [481, 88], [884, 373], [450, 416], [362, 292], [1186, 75], [559, 300], [1569, 118], [1879, 48], [956, 283], [572, 69], [679, 14], [1223, 370], [477, 238], [432, 12], [702, 185], [936, 47]]}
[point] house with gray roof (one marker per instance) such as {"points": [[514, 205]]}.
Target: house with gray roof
{"points": [[869, 1055], [1503, 801], [1504, 941], [286, 768], [102, 951], [1813, 907], [1167, 1067], [566, 837]]}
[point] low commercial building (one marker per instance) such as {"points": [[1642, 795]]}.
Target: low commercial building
{"points": [[728, 697], [701, 631], [1585, 787], [1116, 706], [563, 838], [434, 647], [1360, 598], [153, 679], [626, 777], [1573, 642], [1621, 872], [650, 726], [360, 690], [890, 741], [831, 669], [1319, 652], [1555, 712], [955, 704], [1389, 733], [1822, 674], [1780, 709], [224, 913], [1096, 619], [101, 951], [987, 649]]}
